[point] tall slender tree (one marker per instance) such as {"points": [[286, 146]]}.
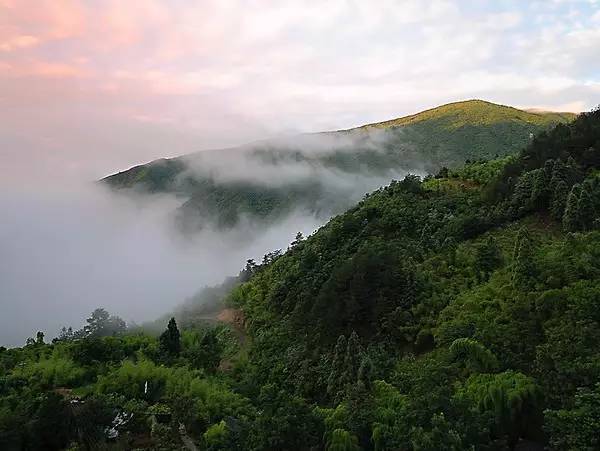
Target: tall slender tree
{"points": [[523, 266], [585, 208], [571, 214], [170, 343], [560, 192]]}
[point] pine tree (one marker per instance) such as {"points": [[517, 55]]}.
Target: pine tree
{"points": [[170, 344], [521, 198], [365, 374], [571, 216], [585, 208], [539, 190], [548, 169], [559, 172], [96, 323], [573, 170], [523, 266], [337, 367], [560, 192], [299, 238], [248, 271], [352, 359]]}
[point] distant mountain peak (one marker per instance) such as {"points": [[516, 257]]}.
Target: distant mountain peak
{"points": [[475, 112]]}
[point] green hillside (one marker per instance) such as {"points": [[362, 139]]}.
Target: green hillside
{"points": [[476, 112], [459, 312], [423, 143]]}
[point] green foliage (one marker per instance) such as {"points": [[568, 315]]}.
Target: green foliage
{"points": [[576, 428], [474, 355], [55, 370], [452, 313], [446, 136], [571, 216], [170, 344], [487, 258], [481, 172], [202, 349], [523, 265], [101, 324], [217, 437], [342, 440], [510, 397]]}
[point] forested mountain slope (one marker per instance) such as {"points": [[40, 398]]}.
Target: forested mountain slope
{"points": [[457, 312], [326, 173]]}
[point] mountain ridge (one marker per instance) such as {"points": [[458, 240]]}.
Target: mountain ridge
{"points": [[395, 122], [222, 185], [455, 107]]}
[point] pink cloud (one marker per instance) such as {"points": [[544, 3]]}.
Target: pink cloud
{"points": [[18, 42], [41, 20]]}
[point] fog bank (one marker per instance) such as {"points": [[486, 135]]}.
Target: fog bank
{"points": [[68, 250]]}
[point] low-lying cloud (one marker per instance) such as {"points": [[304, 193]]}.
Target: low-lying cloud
{"points": [[67, 251], [295, 159]]}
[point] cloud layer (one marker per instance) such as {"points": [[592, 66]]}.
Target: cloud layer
{"points": [[90, 86], [66, 251]]}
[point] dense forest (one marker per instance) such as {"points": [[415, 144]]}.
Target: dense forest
{"points": [[326, 173], [455, 312]]}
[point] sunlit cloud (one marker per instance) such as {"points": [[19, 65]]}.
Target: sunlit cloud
{"points": [[113, 83]]}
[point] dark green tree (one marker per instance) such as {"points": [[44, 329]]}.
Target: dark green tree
{"points": [[523, 265], [96, 323], [539, 190], [170, 344], [210, 350], [342, 440], [299, 238], [50, 427], [337, 367], [511, 398], [102, 324], [585, 208], [560, 192], [365, 374], [352, 359], [576, 428], [571, 215], [487, 258]]}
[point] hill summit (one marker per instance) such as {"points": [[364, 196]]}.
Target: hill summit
{"points": [[325, 173]]}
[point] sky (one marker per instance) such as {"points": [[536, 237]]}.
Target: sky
{"points": [[90, 87]]}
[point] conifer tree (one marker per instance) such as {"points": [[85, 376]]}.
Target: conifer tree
{"points": [[337, 367], [559, 172], [571, 216], [560, 192], [585, 208], [539, 189], [548, 169], [352, 359], [365, 374], [523, 266], [170, 344], [573, 170], [521, 198]]}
